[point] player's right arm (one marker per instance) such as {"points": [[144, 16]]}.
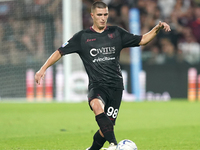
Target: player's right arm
{"points": [[50, 61]]}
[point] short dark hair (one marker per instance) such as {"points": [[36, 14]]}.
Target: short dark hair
{"points": [[98, 4]]}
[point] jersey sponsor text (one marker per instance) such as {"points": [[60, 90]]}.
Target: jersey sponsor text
{"points": [[103, 59], [104, 50]]}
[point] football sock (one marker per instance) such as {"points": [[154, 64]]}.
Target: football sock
{"points": [[98, 141], [106, 127]]}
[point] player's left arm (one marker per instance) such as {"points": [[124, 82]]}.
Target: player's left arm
{"points": [[146, 38]]}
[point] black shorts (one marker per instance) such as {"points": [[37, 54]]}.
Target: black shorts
{"points": [[110, 97]]}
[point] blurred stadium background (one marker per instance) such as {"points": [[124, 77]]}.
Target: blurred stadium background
{"points": [[31, 30]]}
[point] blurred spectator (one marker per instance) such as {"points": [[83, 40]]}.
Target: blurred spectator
{"points": [[44, 12], [181, 13], [14, 30], [58, 24], [120, 12], [114, 19], [33, 39], [155, 56], [190, 47], [195, 25], [3, 54], [166, 7], [150, 21], [29, 29], [168, 50], [15, 56], [87, 20]]}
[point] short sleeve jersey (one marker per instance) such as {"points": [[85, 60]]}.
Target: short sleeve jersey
{"points": [[100, 53]]}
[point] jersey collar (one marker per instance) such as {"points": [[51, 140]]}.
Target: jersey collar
{"points": [[96, 31]]}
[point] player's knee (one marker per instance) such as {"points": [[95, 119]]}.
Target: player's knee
{"points": [[97, 106]]}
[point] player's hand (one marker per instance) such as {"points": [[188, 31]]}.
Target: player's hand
{"points": [[164, 25], [38, 76]]}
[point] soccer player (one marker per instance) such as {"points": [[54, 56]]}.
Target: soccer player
{"points": [[99, 48]]}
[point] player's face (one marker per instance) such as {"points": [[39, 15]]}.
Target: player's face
{"points": [[100, 17]]}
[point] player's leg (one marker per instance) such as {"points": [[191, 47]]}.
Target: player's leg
{"points": [[97, 100], [98, 139], [112, 108], [106, 132]]}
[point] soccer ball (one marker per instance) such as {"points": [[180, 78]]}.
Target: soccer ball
{"points": [[126, 145]]}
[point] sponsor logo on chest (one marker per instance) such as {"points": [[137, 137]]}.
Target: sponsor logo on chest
{"points": [[102, 54], [103, 50]]}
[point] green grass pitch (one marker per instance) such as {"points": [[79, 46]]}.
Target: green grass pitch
{"points": [[173, 125]]}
